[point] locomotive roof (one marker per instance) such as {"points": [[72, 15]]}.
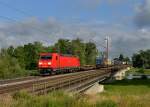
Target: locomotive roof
{"points": [[47, 53]]}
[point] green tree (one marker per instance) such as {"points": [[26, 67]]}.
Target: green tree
{"points": [[141, 59], [31, 54], [28, 54], [10, 51], [90, 53], [79, 50], [127, 59], [63, 46], [121, 57], [19, 54]]}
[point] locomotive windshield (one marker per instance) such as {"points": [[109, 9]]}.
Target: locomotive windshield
{"points": [[46, 57]]}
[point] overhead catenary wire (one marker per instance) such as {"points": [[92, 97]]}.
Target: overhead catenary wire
{"points": [[98, 43]]}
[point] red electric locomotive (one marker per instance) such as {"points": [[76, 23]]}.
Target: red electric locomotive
{"points": [[50, 63]]}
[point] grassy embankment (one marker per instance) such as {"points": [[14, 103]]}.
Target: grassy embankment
{"points": [[139, 71], [125, 93], [128, 93]]}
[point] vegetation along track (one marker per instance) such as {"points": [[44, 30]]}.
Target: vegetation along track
{"points": [[51, 82]]}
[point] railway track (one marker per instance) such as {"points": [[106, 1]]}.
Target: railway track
{"points": [[8, 81], [69, 81], [6, 88]]}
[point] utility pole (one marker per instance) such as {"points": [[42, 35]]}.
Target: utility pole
{"points": [[107, 49], [106, 46]]}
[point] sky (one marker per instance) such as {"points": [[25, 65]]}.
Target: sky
{"points": [[126, 22]]}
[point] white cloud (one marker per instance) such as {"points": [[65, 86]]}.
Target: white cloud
{"points": [[48, 32]]}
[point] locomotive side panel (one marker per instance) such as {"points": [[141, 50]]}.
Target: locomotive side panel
{"points": [[69, 62]]}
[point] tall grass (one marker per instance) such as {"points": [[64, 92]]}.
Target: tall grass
{"points": [[134, 93], [55, 99], [128, 93]]}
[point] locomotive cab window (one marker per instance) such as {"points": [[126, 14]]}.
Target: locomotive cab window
{"points": [[46, 57]]}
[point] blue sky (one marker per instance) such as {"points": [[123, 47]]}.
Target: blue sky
{"points": [[71, 10], [126, 22]]}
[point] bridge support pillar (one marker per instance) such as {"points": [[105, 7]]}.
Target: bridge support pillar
{"points": [[96, 88], [121, 74]]}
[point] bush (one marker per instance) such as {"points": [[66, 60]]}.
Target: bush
{"points": [[10, 68], [33, 72], [141, 70]]}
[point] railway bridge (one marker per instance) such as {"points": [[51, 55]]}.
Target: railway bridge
{"points": [[76, 82]]}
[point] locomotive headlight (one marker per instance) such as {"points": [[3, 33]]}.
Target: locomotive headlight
{"points": [[49, 63], [40, 63]]}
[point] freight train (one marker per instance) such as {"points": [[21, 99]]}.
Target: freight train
{"points": [[53, 63]]}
